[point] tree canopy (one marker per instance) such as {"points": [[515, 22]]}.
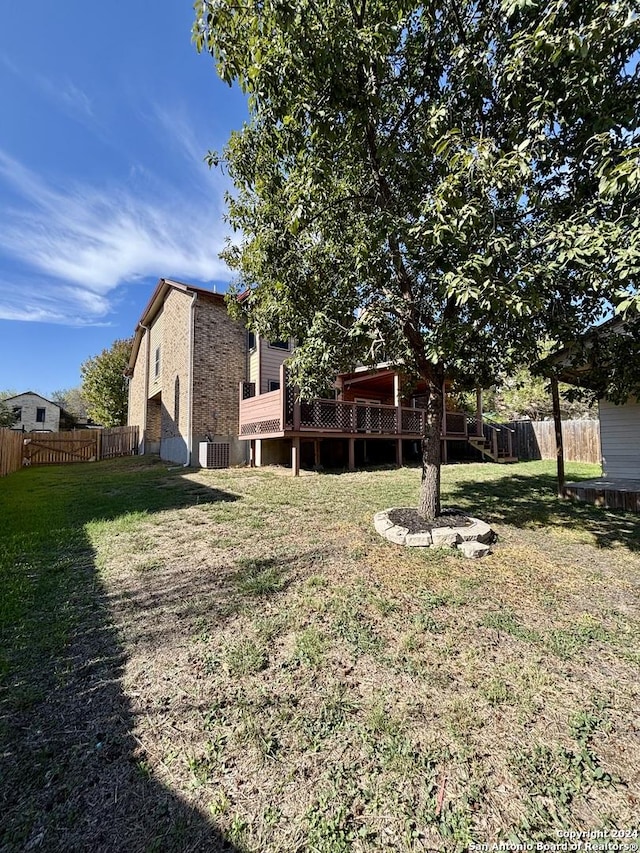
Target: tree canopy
{"points": [[104, 387], [438, 184]]}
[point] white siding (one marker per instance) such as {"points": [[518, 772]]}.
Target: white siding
{"points": [[620, 436]]}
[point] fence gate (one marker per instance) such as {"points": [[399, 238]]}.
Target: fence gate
{"points": [[56, 448]]}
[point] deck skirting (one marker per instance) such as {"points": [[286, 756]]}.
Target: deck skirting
{"points": [[611, 493]]}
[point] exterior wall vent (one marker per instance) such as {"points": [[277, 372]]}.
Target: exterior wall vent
{"points": [[214, 454]]}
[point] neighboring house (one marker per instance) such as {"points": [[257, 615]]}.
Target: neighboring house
{"points": [[187, 361], [34, 413]]}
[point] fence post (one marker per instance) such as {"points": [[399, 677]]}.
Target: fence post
{"points": [[557, 422]]}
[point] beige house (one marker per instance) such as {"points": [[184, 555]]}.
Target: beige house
{"points": [[187, 362], [34, 413]]}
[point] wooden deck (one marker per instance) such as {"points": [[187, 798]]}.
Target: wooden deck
{"points": [[609, 492], [276, 415]]}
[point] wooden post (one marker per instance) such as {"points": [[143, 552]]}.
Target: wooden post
{"points": [[316, 452], [98, 444], [396, 389], [444, 452], [352, 454], [557, 422], [252, 453], [443, 428], [283, 397], [479, 430], [399, 452], [295, 455]]}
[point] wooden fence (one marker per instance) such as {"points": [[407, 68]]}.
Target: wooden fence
{"points": [[537, 440], [56, 448], [10, 451]]}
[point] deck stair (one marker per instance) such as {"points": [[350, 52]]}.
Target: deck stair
{"points": [[495, 443]]}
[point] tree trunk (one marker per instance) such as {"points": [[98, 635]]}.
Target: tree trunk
{"points": [[429, 506]]}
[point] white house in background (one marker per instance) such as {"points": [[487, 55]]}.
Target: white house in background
{"points": [[34, 413]]}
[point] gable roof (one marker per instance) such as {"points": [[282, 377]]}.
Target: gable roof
{"points": [[155, 304], [579, 362], [33, 394]]}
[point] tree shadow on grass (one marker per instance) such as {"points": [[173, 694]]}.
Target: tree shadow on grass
{"points": [[74, 776], [531, 501]]}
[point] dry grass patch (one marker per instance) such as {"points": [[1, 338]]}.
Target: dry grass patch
{"points": [[304, 685]]}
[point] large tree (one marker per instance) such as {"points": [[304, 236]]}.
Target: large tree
{"points": [[440, 184], [104, 387]]}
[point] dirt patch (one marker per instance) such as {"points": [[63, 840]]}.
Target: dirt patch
{"points": [[409, 518]]}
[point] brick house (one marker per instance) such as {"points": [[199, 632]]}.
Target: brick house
{"points": [[196, 375], [34, 413], [187, 361]]}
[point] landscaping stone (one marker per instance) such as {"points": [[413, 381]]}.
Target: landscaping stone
{"points": [[479, 531], [396, 534], [382, 522], [445, 537], [474, 549], [471, 535], [420, 540]]}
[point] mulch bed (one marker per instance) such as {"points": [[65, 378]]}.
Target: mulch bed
{"points": [[409, 518]]}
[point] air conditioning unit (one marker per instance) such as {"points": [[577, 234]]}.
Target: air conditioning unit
{"points": [[214, 454]]}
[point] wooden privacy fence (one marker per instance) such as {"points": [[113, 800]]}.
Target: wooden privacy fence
{"points": [[10, 451], [55, 448], [537, 440]]}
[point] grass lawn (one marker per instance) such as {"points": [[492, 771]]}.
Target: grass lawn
{"points": [[234, 660]]}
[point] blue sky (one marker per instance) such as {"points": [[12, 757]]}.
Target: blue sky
{"points": [[106, 114]]}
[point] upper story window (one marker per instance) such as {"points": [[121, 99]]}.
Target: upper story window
{"points": [[40, 415], [17, 411], [157, 363], [251, 341], [279, 344], [274, 385]]}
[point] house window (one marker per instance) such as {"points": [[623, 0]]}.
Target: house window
{"points": [[279, 344], [40, 415], [17, 413], [274, 385], [157, 362], [251, 341]]}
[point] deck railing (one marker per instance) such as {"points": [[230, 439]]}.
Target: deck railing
{"points": [[278, 412]]}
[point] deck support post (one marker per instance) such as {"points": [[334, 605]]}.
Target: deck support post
{"points": [[479, 430], [352, 455], [295, 456], [316, 452], [252, 453], [399, 452], [557, 422], [445, 457]]}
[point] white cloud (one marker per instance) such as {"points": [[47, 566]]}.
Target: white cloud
{"points": [[80, 242]]}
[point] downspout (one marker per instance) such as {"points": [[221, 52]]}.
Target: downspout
{"points": [[192, 325], [147, 341]]}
